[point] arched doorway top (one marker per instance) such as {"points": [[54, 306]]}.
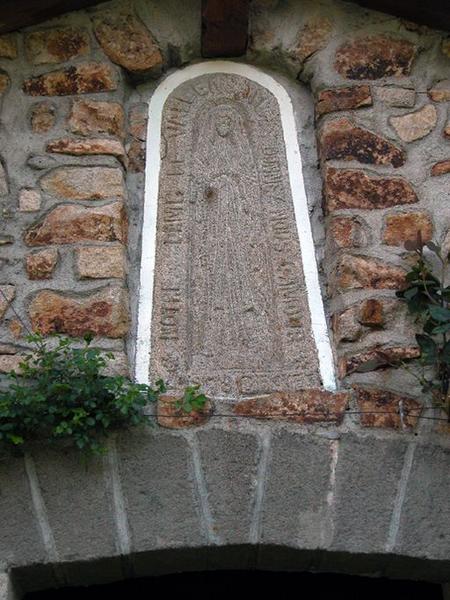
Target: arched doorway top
{"points": [[294, 162]]}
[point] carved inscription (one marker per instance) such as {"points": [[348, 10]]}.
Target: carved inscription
{"points": [[230, 308]]}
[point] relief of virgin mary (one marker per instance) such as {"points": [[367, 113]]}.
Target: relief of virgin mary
{"points": [[232, 321]]}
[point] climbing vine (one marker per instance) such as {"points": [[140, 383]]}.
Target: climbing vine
{"points": [[62, 393], [427, 296]]}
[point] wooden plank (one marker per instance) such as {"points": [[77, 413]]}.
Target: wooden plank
{"points": [[434, 13], [15, 14], [224, 27]]}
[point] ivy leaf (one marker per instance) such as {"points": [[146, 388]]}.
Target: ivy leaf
{"points": [[440, 314], [440, 329], [434, 248], [445, 354], [428, 348]]}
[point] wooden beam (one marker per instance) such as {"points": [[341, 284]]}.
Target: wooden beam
{"points": [[434, 13], [224, 28], [15, 14]]}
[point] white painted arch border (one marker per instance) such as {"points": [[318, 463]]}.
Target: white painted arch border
{"points": [[152, 169]]}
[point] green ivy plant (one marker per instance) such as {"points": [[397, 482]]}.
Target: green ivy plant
{"points": [[61, 393], [428, 299], [193, 399]]}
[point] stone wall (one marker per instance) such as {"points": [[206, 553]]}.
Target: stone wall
{"points": [[73, 96]]}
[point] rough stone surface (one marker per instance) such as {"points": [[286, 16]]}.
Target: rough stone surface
{"points": [[4, 188], [341, 139], [445, 47], [136, 156], [102, 313], [29, 200], [8, 46], [171, 416], [7, 294], [355, 272], [56, 45], [89, 504], [377, 357], [21, 541], [396, 96], [347, 232], [441, 168], [246, 306], [426, 494], [347, 98], [92, 146], [345, 188], [43, 117], [301, 466], [371, 314], [231, 457], [367, 475], [159, 492], [312, 37], [127, 42], [70, 224], [10, 362], [447, 131], [91, 117], [382, 408], [84, 183], [4, 82], [416, 125], [100, 262], [373, 57], [441, 91], [401, 227], [85, 78], [40, 265], [305, 406], [137, 121]]}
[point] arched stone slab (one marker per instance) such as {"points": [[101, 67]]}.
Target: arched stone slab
{"points": [[236, 299]]}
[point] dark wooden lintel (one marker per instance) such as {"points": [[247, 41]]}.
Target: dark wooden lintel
{"points": [[224, 28], [15, 14]]}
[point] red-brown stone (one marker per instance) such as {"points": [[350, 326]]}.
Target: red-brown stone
{"points": [[376, 358], [128, 43], [345, 188], [56, 45], [171, 416], [91, 146], [86, 78], [373, 57], [40, 265], [381, 408], [341, 139], [43, 117], [347, 98], [347, 232], [92, 117], [355, 272], [104, 313], [441, 168], [371, 313], [401, 227], [68, 224], [304, 406]]}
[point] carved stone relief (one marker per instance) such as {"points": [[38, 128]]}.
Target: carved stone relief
{"points": [[230, 307]]}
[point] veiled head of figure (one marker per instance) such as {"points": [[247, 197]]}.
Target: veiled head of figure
{"points": [[225, 119]]}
